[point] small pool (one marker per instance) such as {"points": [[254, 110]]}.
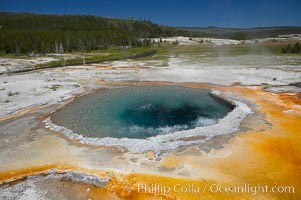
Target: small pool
{"points": [[141, 111]]}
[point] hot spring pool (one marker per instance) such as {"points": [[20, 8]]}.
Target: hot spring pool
{"points": [[141, 111]]}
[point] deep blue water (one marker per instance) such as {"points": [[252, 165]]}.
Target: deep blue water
{"points": [[141, 111]]}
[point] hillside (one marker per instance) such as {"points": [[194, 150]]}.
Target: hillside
{"points": [[26, 32], [40, 33]]}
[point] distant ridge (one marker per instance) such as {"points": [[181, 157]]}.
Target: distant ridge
{"points": [[242, 33]]}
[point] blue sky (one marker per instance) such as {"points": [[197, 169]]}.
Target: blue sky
{"points": [[198, 13]]}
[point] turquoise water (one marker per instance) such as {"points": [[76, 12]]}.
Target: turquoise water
{"points": [[141, 111]]}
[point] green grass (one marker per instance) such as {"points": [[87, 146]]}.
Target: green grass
{"points": [[165, 51], [161, 55], [230, 50], [95, 56]]}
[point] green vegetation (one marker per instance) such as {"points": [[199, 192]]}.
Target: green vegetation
{"points": [[227, 50], [36, 33], [26, 33], [159, 59], [296, 48], [98, 56]]}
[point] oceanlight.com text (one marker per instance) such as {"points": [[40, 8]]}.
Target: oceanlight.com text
{"points": [[251, 189]]}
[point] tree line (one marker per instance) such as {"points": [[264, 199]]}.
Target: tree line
{"points": [[38, 33], [242, 33]]}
